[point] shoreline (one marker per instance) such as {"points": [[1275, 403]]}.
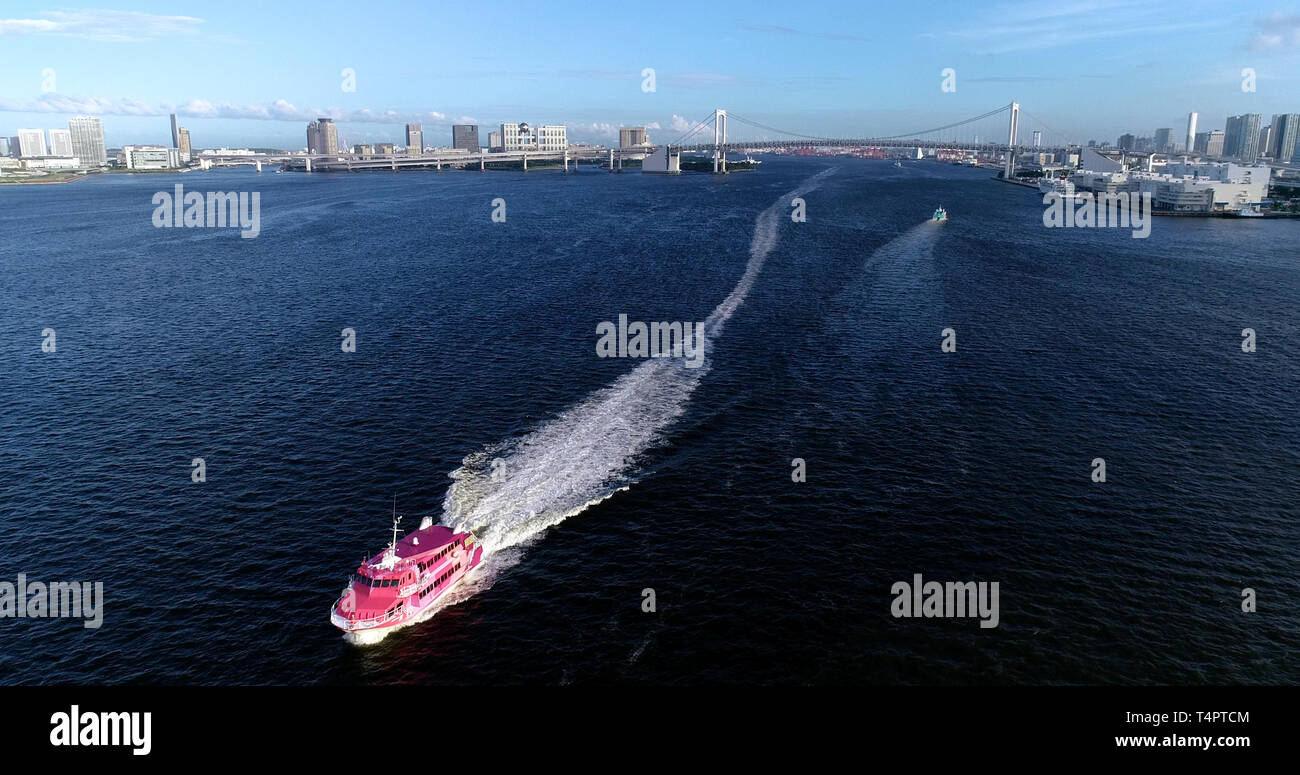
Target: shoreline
{"points": [[7, 181], [1170, 214]]}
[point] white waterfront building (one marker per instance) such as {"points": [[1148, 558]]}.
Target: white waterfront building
{"points": [[88, 140], [1186, 187], [522, 137], [61, 143], [31, 142], [149, 157]]}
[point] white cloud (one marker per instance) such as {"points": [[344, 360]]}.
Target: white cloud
{"points": [[279, 110], [1278, 31], [103, 25]]}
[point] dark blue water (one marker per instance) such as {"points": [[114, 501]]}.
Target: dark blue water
{"points": [[476, 341]]}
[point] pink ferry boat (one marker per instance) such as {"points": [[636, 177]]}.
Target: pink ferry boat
{"points": [[395, 587]]}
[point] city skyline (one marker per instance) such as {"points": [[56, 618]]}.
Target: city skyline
{"points": [[834, 70]]}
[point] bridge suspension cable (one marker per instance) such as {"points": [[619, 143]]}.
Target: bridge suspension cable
{"points": [[701, 124], [905, 136]]}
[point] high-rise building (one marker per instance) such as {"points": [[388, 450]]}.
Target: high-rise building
{"points": [[632, 137], [1164, 139], [1214, 143], [322, 137], [1265, 136], [414, 138], [183, 135], [465, 136], [1286, 136], [176, 134], [31, 142], [1241, 137], [61, 143], [4, 146], [88, 140], [1126, 142], [1191, 132]]}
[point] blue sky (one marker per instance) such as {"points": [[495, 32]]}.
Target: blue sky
{"points": [[253, 73]]}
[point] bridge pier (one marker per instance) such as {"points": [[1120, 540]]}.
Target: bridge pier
{"points": [[719, 140], [309, 164], [480, 161], [566, 159], [525, 161], [1010, 169], [259, 165], [611, 160]]}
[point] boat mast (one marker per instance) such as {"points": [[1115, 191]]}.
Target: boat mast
{"points": [[396, 519]]}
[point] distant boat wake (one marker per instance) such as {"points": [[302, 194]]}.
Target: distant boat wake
{"points": [[511, 492]]}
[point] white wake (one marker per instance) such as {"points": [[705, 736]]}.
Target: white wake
{"points": [[590, 450]]}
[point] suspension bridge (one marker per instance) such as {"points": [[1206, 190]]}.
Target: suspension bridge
{"points": [[997, 133]]}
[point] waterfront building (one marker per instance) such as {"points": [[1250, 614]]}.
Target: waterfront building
{"points": [[494, 141], [522, 137], [517, 137], [414, 139], [465, 136], [61, 143], [148, 157], [552, 137], [1199, 187], [4, 146], [632, 137], [1241, 137], [1164, 140], [1285, 137], [51, 163], [1214, 143], [322, 137], [31, 142], [88, 140]]}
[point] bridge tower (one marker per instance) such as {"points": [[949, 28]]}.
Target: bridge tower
{"points": [[1013, 122], [719, 139]]}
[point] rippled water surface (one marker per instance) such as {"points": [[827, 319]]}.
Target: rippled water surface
{"points": [[476, 342]]}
